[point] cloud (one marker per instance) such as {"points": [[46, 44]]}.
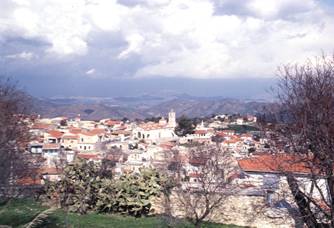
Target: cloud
{"points": [[135, 42], [184, 38], [90, 71], [266, 9], [23, 55], [60, 23]]}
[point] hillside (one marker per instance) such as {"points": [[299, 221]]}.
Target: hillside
{"points": [[200, 107], [140, 108]]}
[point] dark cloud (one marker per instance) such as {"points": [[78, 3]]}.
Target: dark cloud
{"points": [[63, 85], [16, 44], [284, 9]]}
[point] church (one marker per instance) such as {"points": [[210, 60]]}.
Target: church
{"points": [[161, 131]]}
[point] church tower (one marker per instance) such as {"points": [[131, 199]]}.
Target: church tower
{"points": [[171, 119]]}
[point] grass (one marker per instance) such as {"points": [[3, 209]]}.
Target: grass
{"points": [[17, 213]]}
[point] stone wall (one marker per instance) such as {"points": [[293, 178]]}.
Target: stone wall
{"points": [[242, 210]]}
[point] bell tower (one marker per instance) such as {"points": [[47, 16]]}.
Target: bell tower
{"points": [[171, 119]]}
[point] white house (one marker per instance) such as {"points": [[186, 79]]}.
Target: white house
{"points": [[157, 131]]}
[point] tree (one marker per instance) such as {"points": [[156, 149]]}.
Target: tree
{"points": [[185, 126], [210, 185], [77, 189], [132, 193], [304, 128], [15, 163], [63, 123]]}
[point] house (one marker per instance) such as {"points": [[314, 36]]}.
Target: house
{"points": [[35, 148], [89, 140], [239, 121], [51, 148], [53, 136], [51, 152], [70, 141], [162, 131], [38, 129], [268, 172]]}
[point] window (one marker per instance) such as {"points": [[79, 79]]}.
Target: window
{"points": [[84, 147]]}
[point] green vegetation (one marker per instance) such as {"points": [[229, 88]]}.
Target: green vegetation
{"points": [[17, 213], [185, 126], [89, 187], [241, 128]]}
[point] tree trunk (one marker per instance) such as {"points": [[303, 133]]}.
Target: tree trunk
{"points": [[303, 204], [198, 224]]}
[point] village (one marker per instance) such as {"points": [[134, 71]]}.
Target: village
{"points": [[133, 145]]}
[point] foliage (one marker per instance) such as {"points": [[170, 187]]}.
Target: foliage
{"points": [[131, 193], [86, 186], [63, 122], [77, 189], [185, 126], [152, 119], [241, 128]]}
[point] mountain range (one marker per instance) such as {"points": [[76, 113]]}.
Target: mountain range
{"points": [[94, 108]]}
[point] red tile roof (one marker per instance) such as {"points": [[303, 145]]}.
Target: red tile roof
{"points": [[89, 156], [200, 132], [98, 131], [74, 130], [55, 134], [29, 181], [51, 146], [94, 132], [275, 163], [49, 171], [121, 132], [151, 126], [40, 126], [112, 122]]}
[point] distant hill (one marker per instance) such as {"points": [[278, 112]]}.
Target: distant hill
{"points": [[142, 107], [87, 111], [201, 107]]}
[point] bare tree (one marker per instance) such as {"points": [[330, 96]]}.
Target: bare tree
{"points": [[305, 130], [204, 189], [15, 164]]}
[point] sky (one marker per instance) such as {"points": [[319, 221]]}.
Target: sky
{"points": [[133, 47]]}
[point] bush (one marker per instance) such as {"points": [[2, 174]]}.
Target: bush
{"points": [[131, 193], [78, 187], [83, 188]]}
